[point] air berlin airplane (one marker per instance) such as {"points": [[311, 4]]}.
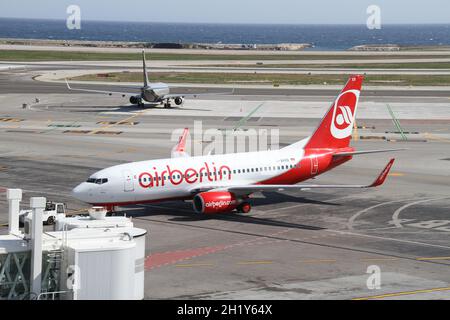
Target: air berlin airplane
{"points": [[223, 183]]}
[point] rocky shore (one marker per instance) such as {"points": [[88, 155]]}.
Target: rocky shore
{"points": [[123, 44]]}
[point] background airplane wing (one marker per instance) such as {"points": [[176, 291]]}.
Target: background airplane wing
{"points": [[195, 95], [123, 94], [248, 189]]}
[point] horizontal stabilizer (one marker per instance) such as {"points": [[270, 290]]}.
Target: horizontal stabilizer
{"points": [[353, 153], [180, 148]]}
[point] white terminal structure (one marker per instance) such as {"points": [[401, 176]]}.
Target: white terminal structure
{"points": [[84, 257]]}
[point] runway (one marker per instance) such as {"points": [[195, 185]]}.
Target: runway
{"points": [[295, 245], [9, 85]]}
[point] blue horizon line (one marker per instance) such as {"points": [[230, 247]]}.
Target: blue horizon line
{"points": [[232, 23]]}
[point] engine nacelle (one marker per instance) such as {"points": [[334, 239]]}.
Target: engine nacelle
{"points": [[215, 202], [136, 100], [179, 101]]}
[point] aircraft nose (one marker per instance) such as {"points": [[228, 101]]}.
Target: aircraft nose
{"points": [[81, 192]]}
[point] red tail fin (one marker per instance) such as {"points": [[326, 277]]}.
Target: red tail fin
{"points": [[336, 127]]}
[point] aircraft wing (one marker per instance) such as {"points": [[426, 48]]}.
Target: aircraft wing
{"points": [[179, 150], [248, 189], [195, 95], [123, 94]]}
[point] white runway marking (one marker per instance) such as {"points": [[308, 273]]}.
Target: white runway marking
{"points": [[396, 214], [352, 219], [388, 239]]}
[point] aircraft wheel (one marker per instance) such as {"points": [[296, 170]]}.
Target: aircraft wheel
{"points": [[245, 207], [50, 221]]}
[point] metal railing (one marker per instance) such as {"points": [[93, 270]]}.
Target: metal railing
{"points": [[52, 294]]}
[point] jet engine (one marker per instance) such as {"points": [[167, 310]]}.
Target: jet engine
{"points": [[215, 202], [136, 100], [179, 101]]}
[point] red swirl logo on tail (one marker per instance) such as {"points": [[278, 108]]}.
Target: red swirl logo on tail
{"points": [[343, 114], [344, 117]]}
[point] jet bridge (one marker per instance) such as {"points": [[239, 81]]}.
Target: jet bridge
{"points": [[84, 257]]}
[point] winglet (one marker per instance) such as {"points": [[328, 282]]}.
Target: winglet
{"points": [[144, 69], [382, 177]]}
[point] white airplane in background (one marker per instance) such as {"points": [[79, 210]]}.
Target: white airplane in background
{"points": [[158, 92], [223, 183]]}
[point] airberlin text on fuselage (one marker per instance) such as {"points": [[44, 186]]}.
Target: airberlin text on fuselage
{"points": [[175, 177]]}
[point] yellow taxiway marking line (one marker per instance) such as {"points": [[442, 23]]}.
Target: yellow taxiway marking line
{"points": [[117, 123], [379, 259], [355, 131], [255, 262], [4, 225], [396, 174], [194, 265], [433, 258], [318, 261], [405, 293]]}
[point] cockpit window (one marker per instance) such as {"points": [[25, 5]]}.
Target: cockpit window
{"points": [[97, 181]]}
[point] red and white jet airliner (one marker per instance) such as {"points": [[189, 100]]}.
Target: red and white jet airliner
{"points": [[223, 183]]}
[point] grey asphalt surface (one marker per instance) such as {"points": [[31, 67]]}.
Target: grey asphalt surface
{"points": [[308, 245]]}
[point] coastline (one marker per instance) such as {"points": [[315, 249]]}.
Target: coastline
{"points": [[207, 48]]}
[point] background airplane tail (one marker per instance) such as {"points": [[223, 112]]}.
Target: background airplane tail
{"points": [[144, 67], [336, 127]]}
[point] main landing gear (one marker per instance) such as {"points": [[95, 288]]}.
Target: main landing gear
{"points": [[244, 207], [110, 210], [167, 104]]}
